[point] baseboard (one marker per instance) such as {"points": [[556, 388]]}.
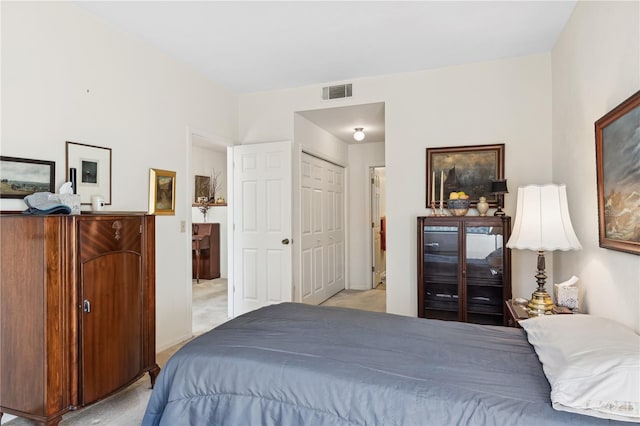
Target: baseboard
{"points": [[166, 346]]}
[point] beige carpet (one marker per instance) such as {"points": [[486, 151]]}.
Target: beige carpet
{"points": [[366, 300], [126, 408]]}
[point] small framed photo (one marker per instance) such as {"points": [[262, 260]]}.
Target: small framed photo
{"points": [[20, 177], [464, 168], [162, 192], [93, 170], [202, 189], [618, 176]]}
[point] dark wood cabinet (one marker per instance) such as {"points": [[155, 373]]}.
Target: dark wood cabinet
{"points": [[464, 268], [207, 266], [77, 310]]}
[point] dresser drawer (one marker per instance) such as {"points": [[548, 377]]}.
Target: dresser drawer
{"points": [[99, 236]]}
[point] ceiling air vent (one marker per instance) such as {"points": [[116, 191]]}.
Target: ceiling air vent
{"points": [[336, 92]]}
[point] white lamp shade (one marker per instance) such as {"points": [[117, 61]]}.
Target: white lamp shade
{"points": [[359, 134], [542, 220]]}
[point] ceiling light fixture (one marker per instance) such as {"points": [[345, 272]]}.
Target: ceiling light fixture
{"points": [[358, 134]]}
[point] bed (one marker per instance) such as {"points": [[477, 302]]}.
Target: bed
{"points": [[295, 364]]}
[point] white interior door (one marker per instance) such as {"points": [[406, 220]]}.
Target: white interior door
{"points": [[323, 233], [261, 225]]}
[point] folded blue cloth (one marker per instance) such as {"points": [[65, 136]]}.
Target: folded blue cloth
{"points": [[45, 203]]}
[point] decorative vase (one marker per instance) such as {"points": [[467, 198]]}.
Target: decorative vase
{"points": [[483, 206]]}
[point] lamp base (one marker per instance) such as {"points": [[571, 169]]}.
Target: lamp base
{"points": [[540, 303]]}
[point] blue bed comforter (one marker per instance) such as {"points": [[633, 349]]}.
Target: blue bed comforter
{"points": [[295, 364]]}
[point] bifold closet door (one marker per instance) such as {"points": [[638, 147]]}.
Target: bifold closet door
{"points": [[323, 232]]}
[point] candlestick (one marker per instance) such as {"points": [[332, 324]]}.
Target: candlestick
{"points": [[441, 187], [433, 187], [72, 178]]}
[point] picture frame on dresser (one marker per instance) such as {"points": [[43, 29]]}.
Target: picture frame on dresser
{"points": [[20, 177], [617, 136], [93, 167], [162, 192], [468, 168]]}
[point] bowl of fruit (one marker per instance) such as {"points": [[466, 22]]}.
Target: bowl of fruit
{"points": [[458, 203]]}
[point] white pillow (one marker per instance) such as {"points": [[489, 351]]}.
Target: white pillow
{"points": [[592, 364]]}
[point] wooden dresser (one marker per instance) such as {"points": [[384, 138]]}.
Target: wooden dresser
{"points": [[77, 310]]}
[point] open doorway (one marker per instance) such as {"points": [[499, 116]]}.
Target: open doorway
{"points": [[209, 293], [378, 227]]}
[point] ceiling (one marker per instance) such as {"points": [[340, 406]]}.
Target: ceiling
{"points": [[265, 45], [342, 121]]}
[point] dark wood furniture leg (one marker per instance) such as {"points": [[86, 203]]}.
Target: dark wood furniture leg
{"points": [[153, 374], [196, 246]]}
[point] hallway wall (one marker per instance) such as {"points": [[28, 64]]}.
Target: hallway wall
{"points": [[361, 158]]}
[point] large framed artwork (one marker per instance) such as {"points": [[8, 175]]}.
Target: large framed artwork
{"points": [[618, 175], [93, 170], [162, 192], [20, 177], [464, 168]]}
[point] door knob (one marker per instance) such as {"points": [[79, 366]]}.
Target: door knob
{"points": [[285, 241]]}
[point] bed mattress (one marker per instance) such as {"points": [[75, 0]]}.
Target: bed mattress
{"points": [[295, 364]]}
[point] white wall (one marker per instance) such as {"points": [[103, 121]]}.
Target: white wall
{"points": [[67, 76], [361, 158], [507, 101], [596, 65]]}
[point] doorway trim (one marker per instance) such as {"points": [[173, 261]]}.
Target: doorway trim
{"points": [[220, 141], [370, 241]]}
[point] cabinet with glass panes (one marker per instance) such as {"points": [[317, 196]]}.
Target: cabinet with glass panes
{"points": [[464, 268]]}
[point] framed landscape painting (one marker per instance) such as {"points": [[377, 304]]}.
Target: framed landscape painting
{"points": [[20, 177], [618, 175], [464, 168]]}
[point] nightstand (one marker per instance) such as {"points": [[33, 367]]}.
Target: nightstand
{"points": [[515, 313]]}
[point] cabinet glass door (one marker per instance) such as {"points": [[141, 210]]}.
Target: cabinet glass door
{"points": [[441, 272], [483, 274]]}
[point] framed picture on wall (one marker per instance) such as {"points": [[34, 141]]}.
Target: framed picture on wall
{"points": [[20, 177], [464, 168], [202, 189], [618, 176], [93, 170], [162, 192]]}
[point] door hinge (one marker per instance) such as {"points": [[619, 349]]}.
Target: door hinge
{"points": [[373, 225], [373, 269], [372, 181], [141, 229]]}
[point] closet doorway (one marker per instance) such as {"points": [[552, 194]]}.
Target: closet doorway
{"points": [[378, 226], [322, 196]]}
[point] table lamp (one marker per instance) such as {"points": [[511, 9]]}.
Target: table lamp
{"points": [[499, 188], [542, 224]]}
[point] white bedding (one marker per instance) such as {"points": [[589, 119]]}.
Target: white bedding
{"points": [[592, 364]]}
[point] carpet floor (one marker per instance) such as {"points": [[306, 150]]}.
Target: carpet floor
{"points": [[126, 408]]}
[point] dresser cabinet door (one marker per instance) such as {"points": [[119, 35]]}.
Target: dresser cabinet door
{"points": [[111, 298]]}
